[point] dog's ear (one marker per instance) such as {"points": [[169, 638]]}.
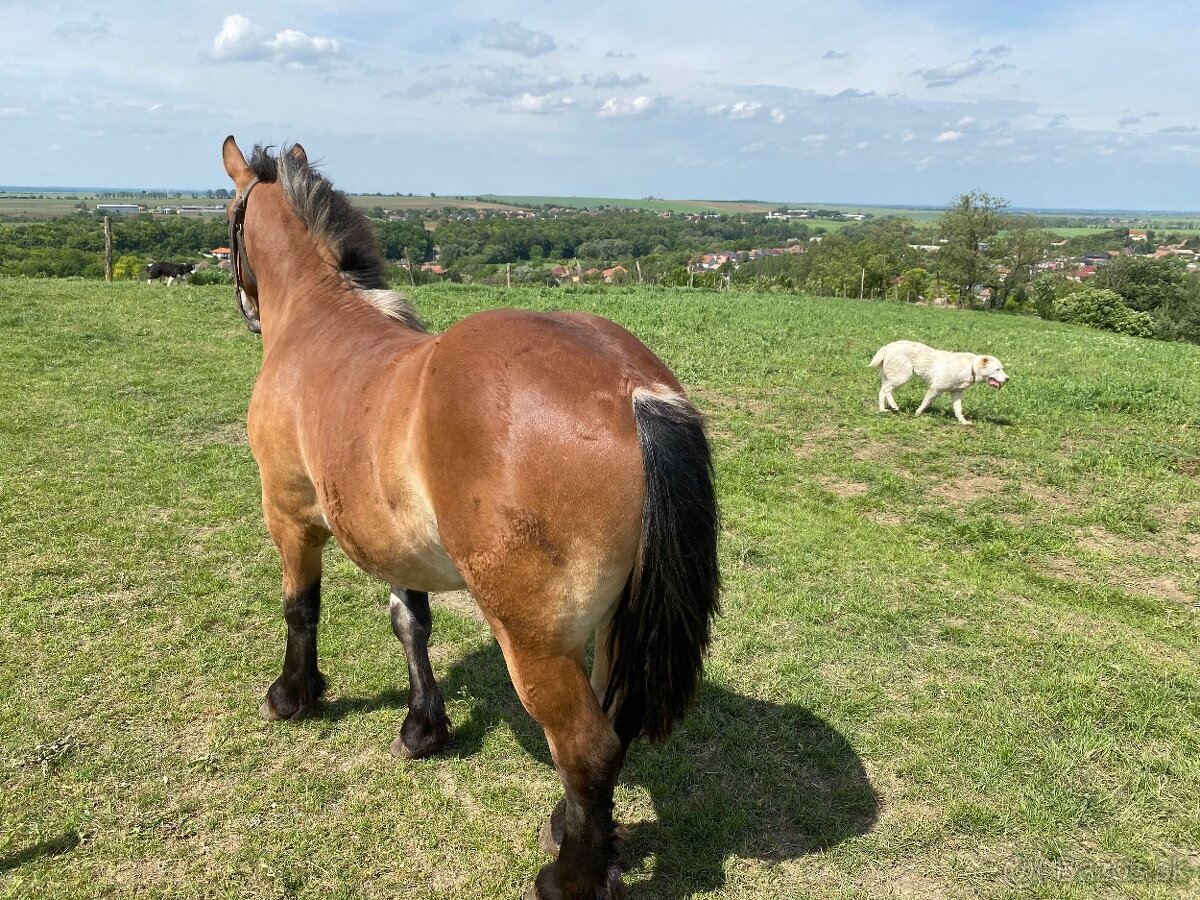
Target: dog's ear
{"points": [[984, 361]]}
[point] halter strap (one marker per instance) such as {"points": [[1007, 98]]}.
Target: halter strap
{"points": [[243, 273]]}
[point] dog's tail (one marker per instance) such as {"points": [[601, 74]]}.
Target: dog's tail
{"points": [[877, 361]]}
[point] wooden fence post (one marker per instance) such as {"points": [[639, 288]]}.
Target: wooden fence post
{"points": [[107, 248]]}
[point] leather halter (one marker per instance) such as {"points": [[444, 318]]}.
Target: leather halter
{"points": [[244, 281]]}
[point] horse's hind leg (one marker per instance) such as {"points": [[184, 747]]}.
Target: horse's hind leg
{"points": [[426, 727], [588, 756], [295, 693]]}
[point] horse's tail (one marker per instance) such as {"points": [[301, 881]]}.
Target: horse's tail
{"points": [[661, 628]]}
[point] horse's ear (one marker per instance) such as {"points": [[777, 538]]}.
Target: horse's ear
{"points": [[235, 164], [299, 155]]}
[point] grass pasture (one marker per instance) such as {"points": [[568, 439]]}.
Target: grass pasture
{"points": [[954, 662]]}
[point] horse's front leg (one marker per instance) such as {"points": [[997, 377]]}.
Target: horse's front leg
{"points": [[426, 727], [295, 693]]}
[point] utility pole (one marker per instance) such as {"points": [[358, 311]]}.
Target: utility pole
{"points": [[638, 263], [412, 281], [862, 282], [508, 274]]}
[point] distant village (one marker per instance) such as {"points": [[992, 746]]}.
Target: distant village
{"points": [[1076, 268]]}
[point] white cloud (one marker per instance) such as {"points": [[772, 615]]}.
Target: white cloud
{"points": [[949, 137], [515, 38], [744, 109], [620, 109], [965, 121], [778, 116], [540, 104], [613, 80], [296, 49], [814, 140], [241, 40], [981, 62], [13, 111]]}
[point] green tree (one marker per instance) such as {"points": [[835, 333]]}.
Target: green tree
{"points": [[1104, 309], [969, 248], [1044, 294], [1022, 246], [914, 282], [127, 267]]}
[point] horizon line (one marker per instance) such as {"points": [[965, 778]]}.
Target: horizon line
{"points": [[61, 189]]}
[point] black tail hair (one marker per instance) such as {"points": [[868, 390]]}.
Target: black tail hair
{"points": [[662, 626]]}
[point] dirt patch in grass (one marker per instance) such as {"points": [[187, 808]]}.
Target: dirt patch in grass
{"points": [[968, 488], [1100, 540], [843, 489], [1066, 569], [1049, 496], [707, 400], [906, 884], [1164, 587], [459, 602], [233, 434], [872, 452], [1192, 546], [815, 439], [1187, 465]]}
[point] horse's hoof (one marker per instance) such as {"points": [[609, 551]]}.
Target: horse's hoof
{"points": [[268, 712], [546, 839], [400, 751], [417, 740]]}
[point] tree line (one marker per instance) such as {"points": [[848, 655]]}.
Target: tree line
{"points": [[979, 255]]}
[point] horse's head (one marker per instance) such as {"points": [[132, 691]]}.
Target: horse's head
{"points": [[245, 285], [286, 222]]}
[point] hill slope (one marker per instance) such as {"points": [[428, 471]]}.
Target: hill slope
{"points": [[953, 662]]}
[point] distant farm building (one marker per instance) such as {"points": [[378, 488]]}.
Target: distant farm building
{"points": [[197, 212], [119, 209]]}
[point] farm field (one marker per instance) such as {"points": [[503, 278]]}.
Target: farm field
{"points": [[954, 662], [729, 207], [367, 202], [34, 207]]}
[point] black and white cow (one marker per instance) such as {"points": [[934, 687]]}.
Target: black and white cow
{"points": [[157, 271]]}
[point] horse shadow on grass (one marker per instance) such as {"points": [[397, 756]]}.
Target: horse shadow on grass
{"points": [[740, 777]]}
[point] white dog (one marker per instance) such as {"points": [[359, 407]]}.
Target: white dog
{"points": [[944, 372]]}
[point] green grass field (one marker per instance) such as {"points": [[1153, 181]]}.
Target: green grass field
{"points": [[954, 662]]}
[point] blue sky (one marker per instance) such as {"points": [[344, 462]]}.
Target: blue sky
{"points": [[1052, 104]]}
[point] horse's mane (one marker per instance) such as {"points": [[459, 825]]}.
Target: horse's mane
{"points": [[330, 218]]}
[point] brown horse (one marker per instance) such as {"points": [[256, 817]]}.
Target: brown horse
{"points": [[549, 463]]}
